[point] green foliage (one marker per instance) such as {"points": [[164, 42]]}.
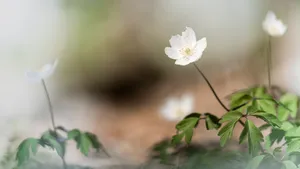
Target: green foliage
{"points": [[53, 140], [211, 121], [24, 149], [226, 131], [255, 162], [254, 137], [162, 149], [291, 102], [185, 129], [85, 140]]}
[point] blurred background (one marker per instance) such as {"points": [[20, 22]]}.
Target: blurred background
{"points": [[113, 74]]}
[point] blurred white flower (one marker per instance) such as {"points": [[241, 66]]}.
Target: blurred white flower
{"points": [[185, 49], [46, 71], [273, 26], [175, 109]]}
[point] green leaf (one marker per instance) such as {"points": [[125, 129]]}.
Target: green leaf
{"points": [[276, 135], [50, 138], [269, 118], [286, 126], [239, 100], [226, 131], [24, 149], [289, 165], [162, 149], [264, 126], [291, 102], [267, 105], [254, 137], [85, 144], [255, 162], [293, 146], [293, 132], [185, 128], [73, 134], [94, 140], [243, 135], [232, 115], [176, 139], [212, 121]]}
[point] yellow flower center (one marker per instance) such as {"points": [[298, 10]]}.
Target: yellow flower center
{"points": [[186, 52]]}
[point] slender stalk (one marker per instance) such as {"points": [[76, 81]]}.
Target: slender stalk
{"points": [[49, 104], [269, 62], [64, 163], [214, 92], [211, 88], [52, 115]]}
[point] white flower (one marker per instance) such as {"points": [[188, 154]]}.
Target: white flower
{"points": [[185, 49], [46, 71], [273, 26], [175, 109]]}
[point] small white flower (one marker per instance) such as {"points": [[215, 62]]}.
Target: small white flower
{"points": [[273, 26], [185, 49], [175, 109], [46, 71]]}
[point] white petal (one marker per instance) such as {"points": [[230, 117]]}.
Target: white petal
{"points": [[187, 103], [270, 16], [169, 109], [176, 42], [48, 69], [33, 76], [189, 37], [198, 50], [172, 53], [201, 44], [182, 61], [273, 26]]}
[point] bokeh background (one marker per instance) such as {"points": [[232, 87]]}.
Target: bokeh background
{"points": [[113, 74]]}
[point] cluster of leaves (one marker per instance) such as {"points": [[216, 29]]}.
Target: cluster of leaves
{"points": [[279, 116], [52, 139], [185, 128]]}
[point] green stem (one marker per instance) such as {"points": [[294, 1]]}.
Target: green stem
{"points": [[269, 62], [49, 104], [211, 88], [52, 115]]}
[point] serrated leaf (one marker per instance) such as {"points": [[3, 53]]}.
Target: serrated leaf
{"points": [[187, 123], [255, 162], [188, 136], [51, 139], [269, 118], [266, 105], [264, 126], [291, 102], [73, 134], [226, 132], [293, 132], [185, 129], [254, 137], [286, 126], [176, 139], [289, 165], [85, 144], [94, 139], [24, 149], [293, 146], [233, 115], [239, 100], [276, 135], [212, 121], [243, 135]]}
